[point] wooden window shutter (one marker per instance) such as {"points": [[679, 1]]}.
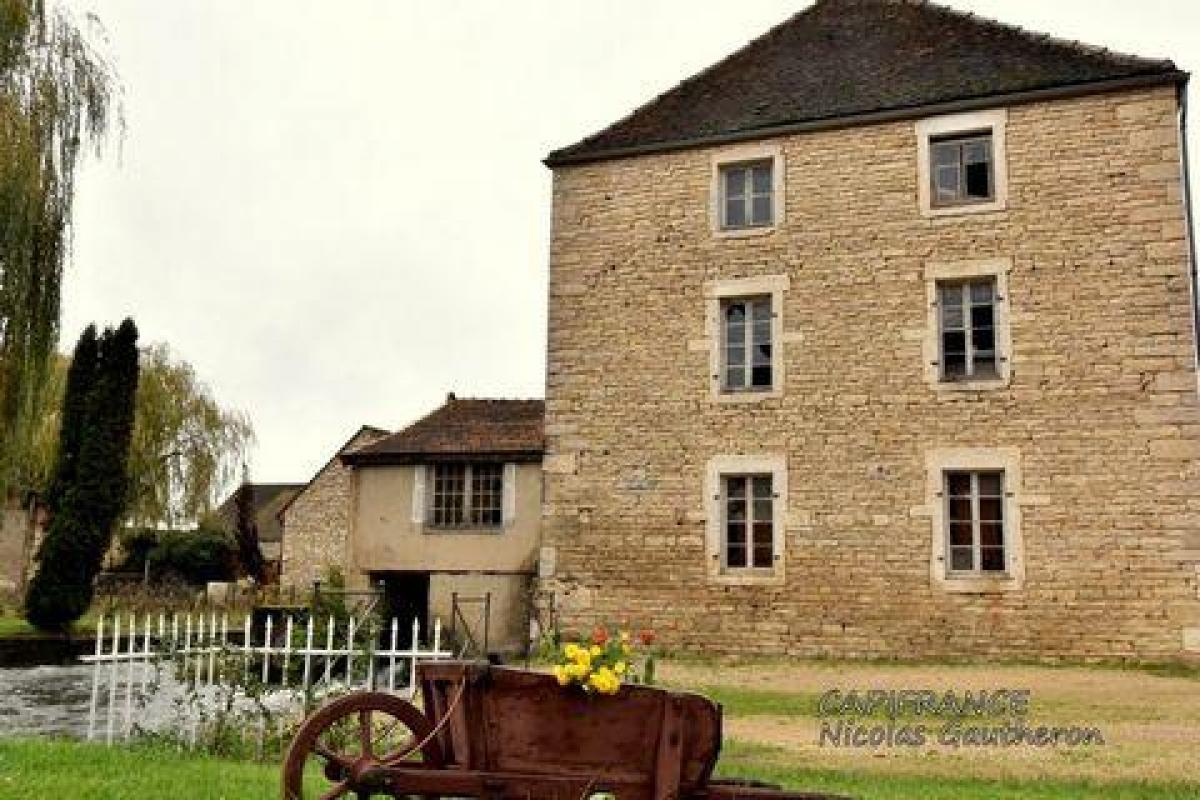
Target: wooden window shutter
{"points": [[510, 494], [418, 494]]}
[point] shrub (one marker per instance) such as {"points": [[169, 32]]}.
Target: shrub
{"points": [[196, 556]]}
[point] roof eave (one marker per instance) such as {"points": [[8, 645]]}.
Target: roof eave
{"points": [[410, 458], [1174, 77]]}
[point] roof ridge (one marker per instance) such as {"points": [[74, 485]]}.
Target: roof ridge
{"points": [[1040, 36]]}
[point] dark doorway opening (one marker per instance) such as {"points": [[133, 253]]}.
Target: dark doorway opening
{"points": [[405, 597]]}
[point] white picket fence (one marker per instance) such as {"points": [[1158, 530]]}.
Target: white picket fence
{"points": [[197, 654]]}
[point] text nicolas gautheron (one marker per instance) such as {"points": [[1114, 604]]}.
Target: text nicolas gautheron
{"points": [[992, 718]]}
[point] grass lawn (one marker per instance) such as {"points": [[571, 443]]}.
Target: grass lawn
{"points": [[13, 624], [93, 772]]}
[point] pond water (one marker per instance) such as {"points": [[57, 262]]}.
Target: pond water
{"points": [[45, 701]]}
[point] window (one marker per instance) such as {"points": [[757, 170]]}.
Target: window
{"points": [[744, 335], [749, 522], [747, 193], [975, 522], [973, 499], [467, 495], [745, 508], [962, 163], [746, 344], [961, 169], [967, 315], [968, 338]]}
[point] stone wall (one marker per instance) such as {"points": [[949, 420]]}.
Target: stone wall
{"points": [[316, 526], [1100, 410]]}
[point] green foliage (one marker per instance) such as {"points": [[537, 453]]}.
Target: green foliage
{"points": [[186, 449], [196, 556], [57, 94], [92, 487], [81, 379]]}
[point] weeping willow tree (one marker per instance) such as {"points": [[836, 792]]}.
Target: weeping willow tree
{"points": [[187, 450], [58, 95]]}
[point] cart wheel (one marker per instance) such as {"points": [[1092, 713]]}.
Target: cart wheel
{"points": [[344, 746]]}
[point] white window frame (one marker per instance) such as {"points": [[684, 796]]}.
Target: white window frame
{"points": [[976, 122], [717, 293], [720, 467], [467, 525], [746, 154], [1006, 460], [995, 269]]}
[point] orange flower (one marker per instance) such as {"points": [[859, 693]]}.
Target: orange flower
{"points": [[646, 637], [599, 635]]}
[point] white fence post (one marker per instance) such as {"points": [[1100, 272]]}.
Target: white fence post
{"points": [[96, 678]]}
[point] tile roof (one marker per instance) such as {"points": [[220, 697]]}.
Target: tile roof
{"points": [[463, 428], [841, 59]]}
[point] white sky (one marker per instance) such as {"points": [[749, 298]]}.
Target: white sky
{"points": [[336, 210]]}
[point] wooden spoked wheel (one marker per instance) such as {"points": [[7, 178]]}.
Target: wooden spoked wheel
{"points": [[344, 748]]}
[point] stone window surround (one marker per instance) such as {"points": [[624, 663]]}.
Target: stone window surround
{"points": [[422, 502], [719, 466], [1006, 459], [717, 291], [994, 120], [935, 271], [744, 153]]}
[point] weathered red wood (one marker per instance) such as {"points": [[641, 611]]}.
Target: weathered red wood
{"points": [[507, 734]]}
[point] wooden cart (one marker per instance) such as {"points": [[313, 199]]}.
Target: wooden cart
{"points": [[493, 732]]}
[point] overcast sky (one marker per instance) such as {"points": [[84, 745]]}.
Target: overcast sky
{"points": [[336, 210]]}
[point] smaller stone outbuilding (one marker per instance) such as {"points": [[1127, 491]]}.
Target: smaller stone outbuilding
{"points": [[316, 518], [446, 514]]}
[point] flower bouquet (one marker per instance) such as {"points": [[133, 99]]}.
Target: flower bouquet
{"points": [[600, 665]]}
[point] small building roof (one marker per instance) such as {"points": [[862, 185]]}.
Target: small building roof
{"points": [[845, 59], [268, 498], [463, 428]]}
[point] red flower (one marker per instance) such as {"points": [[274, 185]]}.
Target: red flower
{"points": [[599, 635], [646, 637]]}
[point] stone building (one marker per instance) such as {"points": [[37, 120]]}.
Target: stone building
{"points": [[877, 338], [315, 521], [450, 507]]}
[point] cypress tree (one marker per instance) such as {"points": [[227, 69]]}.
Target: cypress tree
{"points": [[92, 494], [81, 378]]}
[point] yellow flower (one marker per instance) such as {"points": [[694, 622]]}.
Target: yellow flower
{"points": [[560, 672], [625, 649], [619, 668], [571, 651], [596, 651], [624, 637], [583, 658]]}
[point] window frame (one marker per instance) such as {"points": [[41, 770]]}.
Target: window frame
{"points": [[974, 124], [717, 295], [739, 156], [748, 195], [976, 521], [718, 470], [967, 304], [1005, 460], [749, 343], [938, 274], [468, 492], [960, 141]]}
